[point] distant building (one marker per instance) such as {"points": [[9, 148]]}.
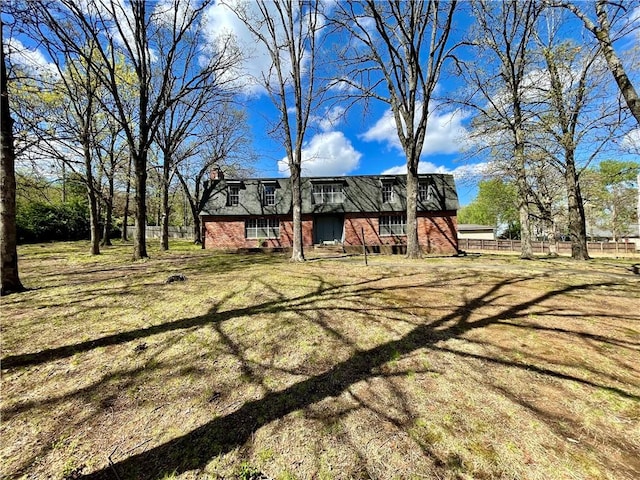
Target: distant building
{"points": [[250, 213], [476, 232]]}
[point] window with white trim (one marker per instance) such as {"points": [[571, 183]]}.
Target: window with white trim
{"points": [[233, 195], [269, 195], [393, 225], [328, 193], [387, 192], [426, 192], [262, 228]]}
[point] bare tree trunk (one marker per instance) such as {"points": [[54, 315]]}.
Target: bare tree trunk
{"points": [[297, 254], [164, 235], [413, 246], [602, 33], [10, 279], [526, 247], [197, 229], [108, 220], [575, 205], [577, 224], [94, 217], [553, 239], [140, 238], [195, 205], [125, 220]]}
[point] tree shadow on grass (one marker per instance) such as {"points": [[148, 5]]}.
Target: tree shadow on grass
{"points": [[221, 435], [213, 316]]}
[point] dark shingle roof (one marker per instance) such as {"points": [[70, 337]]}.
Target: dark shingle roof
{"points": [[362, 194]]}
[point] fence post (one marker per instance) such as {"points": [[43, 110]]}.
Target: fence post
{"points": [[364, 247]]}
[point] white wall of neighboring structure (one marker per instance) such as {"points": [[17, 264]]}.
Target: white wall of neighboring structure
{"points": [[477, 235], [476, 232]]}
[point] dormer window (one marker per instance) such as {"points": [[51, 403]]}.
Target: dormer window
{"points": [[387, 192], [233, 195], [426, 192], [328, 193], [269, 195]]}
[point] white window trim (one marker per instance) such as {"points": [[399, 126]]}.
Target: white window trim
{"points": [[264, 195], [389, 226], [235, 195], [388, 185], [430, 192], [253, 229], [328, 193]]}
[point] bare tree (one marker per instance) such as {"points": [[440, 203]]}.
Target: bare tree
{"points": [[221, 143], [395, 55], [613, 20], [501, 41], [10, 278], [184, 132], [131, 32], [290, 31], [60, 118], [575, 116], [111, 153], [548, 198]]}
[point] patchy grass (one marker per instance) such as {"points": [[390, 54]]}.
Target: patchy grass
{"points": [[452, 368]]}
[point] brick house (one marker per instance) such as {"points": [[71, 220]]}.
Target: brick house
{"points": [[250, 213]]}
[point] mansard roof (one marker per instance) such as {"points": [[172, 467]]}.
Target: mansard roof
{"points": [[361, 194]]}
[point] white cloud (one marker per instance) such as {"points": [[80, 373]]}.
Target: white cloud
{"points": [[330, 118], [220, 22], [463, 172], [326, 154], [384, 131], [445, 132], [166, 12], [30, 59], [634, 20], [631, 141], [257, 69]]}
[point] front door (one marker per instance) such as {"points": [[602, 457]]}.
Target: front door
{"points": [[328, 228]]}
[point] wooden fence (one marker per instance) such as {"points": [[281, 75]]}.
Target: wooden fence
{"points": [[603, 248], [185, 233]]}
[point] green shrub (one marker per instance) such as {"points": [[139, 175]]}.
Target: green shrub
{"points": [[43, 222]]}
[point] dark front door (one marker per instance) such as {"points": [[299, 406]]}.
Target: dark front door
{"points": [[328, 228]]}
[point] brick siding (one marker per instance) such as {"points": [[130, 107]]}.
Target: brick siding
{"points": [[436, 233], [229, 233]]}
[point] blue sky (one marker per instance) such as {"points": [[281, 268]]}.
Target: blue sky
{"points": [[358, 141], [361, 142]]}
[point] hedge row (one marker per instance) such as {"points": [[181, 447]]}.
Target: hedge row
{"points": [[43, 222]]}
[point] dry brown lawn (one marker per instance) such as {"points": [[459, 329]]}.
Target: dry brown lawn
{"points": [[451, 368]]}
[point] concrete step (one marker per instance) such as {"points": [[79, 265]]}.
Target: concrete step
{"points": [[335, 248]]}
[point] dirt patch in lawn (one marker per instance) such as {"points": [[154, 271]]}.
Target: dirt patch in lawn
{"points": [[253, 367]]}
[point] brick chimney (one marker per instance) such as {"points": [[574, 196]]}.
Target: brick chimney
{"points": [[216, 174]]}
